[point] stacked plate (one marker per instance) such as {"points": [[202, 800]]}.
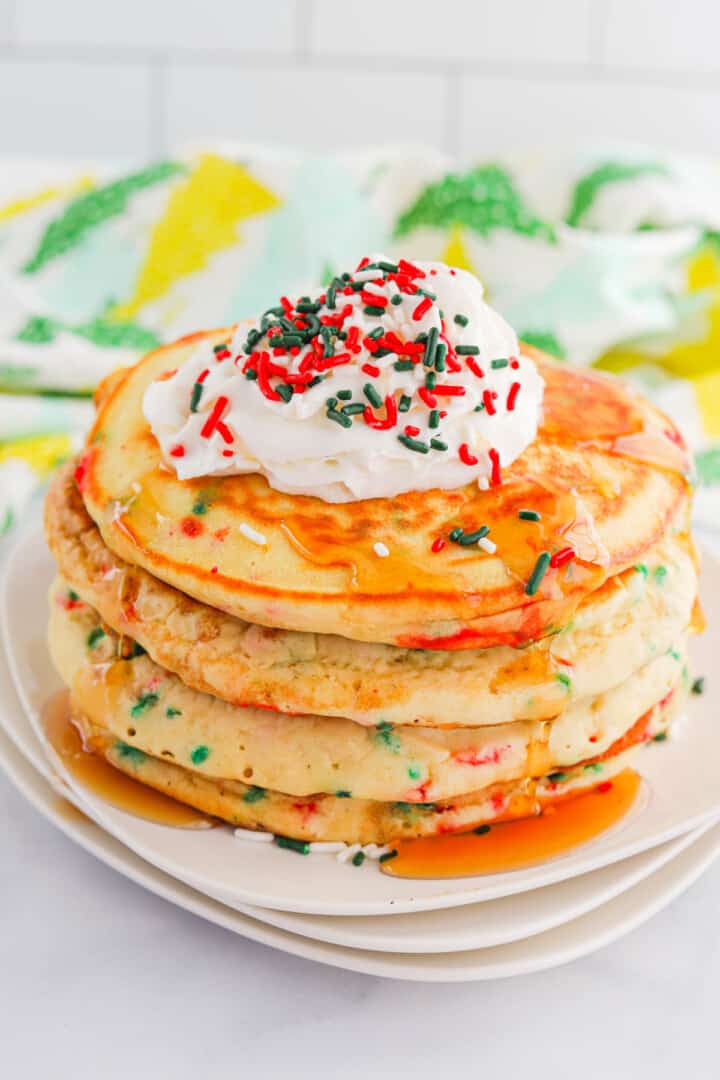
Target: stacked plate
{"points": [[357, 918]]}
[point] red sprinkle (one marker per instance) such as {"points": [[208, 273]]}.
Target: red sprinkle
{"points": [[408, 268], [227, 453], [449, 391], [514, 363], [466, 456], [390, 415], [512, 396], [495, 475], [352, 342], [603, 788], [327, 362], [370, 369], [191, 526], [437, 545], [203, 375], [214, 420], [425, 395], [475, 367], [488, 401], [373, 299], [361, 265], [177, 451], [561, 557], [423, 307], [410, 429]]}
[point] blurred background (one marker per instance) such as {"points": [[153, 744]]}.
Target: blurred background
{"points": [[87, 77], [170, 166]]}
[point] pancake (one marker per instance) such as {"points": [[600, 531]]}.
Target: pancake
{"points": [[607, 474], [617, 629], [148, 708], [327, 817]]}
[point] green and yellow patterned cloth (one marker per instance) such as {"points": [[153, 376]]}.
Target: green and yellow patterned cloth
{"points": [[606, 256]]}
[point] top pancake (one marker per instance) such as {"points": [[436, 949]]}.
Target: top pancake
{"points": [[607, 473]]}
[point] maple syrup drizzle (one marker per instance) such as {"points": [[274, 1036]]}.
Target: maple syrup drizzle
{"points": [[107, 783], [562, 826]]}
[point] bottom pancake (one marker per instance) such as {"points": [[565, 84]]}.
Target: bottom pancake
{"points": [[364, 821]]}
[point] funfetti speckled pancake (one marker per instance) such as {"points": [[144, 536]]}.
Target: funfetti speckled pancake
{"points": [[605, 478], [152, 710], [617, 629]]}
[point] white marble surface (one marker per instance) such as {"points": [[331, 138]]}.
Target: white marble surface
{"points": [[101, 980]]}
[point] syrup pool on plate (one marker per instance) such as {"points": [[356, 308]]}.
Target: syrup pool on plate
{"points": [[95, 774], [513, 845]]}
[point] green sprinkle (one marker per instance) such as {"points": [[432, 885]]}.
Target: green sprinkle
{"points": [[136, 649], [466, 539], [388, 267], [431, 346], [307, 306], [339, 418], [498, 364], [529, 515], [440, 353], [72, 595], [132, 753], [482, 830], [674, 653], [461, 320], [538, 573], [434, 420], [660, 573], [564, 679], [143, 703], [342, 794], [355, 409], [94, 636], [660, 737], [430, 380], [330, 297], [438, 444], [414, 773], [557, 777], [480, 407], [403, 365], [396, 299], [404, 403], [358, 858], [382, 351], [344, 395], [641, 568], [172, 711], [251, 374], [300, 846], [698, 686], [371, 309], [376, 333], [285, 391], [388, 855], [594, 767], [254, 794], [455, 534], [197, 391], [331, 402], [467, 350], [414, 444], [426, 292], [372, 395], [200, 507], [199, 754], [386, 735]]}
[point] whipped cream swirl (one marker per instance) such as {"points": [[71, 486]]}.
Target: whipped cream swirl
{"points": [[396, 377]]}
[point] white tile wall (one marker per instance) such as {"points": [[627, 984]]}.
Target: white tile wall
{"points": [[119, 77]]}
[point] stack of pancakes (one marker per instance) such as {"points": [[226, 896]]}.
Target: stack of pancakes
{"points": [[364, 671]]}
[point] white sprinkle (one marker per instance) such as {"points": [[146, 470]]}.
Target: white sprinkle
{"points": [[483, 483], [381, 549], [252, 534], [326, 847], [487, 545], [111, 573], [254, 835], [350, 851], [135, 487]]}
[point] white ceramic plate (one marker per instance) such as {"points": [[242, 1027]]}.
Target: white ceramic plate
{"points": [[569, 942], [681, 777], [473, 926]]}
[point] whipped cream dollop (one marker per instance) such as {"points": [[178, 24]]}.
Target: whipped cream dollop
{"points": [[396, 377]]}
